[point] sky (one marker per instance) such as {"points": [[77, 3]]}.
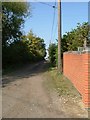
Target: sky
{"points": [[41, 19]]}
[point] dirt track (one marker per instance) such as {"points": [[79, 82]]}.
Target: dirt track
{"points": [[25, 96]]}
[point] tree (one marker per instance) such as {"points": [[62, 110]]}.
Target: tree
{"points": [[52, 54], [75, 38], [36, 46], [19, 48], [30, 49], [13, 16], [16, 53], [70, 42]]}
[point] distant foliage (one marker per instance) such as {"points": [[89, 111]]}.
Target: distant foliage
{"points": [[36, 46], [52, 54], [16, 47], [29, 49], [74, 39], [70, 42]]}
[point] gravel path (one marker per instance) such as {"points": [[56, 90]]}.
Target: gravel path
{"points": [[25, 96]]}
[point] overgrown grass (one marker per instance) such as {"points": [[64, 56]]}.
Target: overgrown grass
{"points": [[60, 83]]}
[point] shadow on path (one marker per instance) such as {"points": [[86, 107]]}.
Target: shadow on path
{"points": [[26, 72]]}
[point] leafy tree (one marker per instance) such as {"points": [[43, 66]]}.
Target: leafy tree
{"points": [[29, 49], [19, 48], [16, 53], [75, 38], [70, 42], [52, 54], [36, 46], [13, 16]]}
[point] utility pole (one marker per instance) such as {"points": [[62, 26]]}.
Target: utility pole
{"points": [[59, 37]]}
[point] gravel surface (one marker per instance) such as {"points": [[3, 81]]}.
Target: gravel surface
{"points": [[25, 96]]}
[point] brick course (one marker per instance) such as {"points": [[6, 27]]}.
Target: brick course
{"points": [[76, 67]]}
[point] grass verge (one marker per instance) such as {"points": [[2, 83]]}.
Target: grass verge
{"points": [[60, 84]]}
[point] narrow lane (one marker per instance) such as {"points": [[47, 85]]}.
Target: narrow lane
{"points": [[25, 96]]}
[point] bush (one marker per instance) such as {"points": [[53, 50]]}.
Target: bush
{"points": [[52, 54]]}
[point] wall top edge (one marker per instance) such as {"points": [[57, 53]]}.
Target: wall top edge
{"points": [[77, 52]]}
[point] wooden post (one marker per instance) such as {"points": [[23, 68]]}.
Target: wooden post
{"points": [[59, 37]]}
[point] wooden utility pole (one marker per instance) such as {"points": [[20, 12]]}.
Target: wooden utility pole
{"points": [[59, 37]]}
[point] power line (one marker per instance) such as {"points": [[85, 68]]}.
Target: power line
{"points": [[46, 4], [55, 30], [53, 6], [53, 22]]}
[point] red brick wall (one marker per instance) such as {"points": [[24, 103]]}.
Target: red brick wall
{"points": [[76, 67]]}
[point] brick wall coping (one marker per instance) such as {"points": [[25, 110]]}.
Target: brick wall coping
{"points": [[76, 52]]}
